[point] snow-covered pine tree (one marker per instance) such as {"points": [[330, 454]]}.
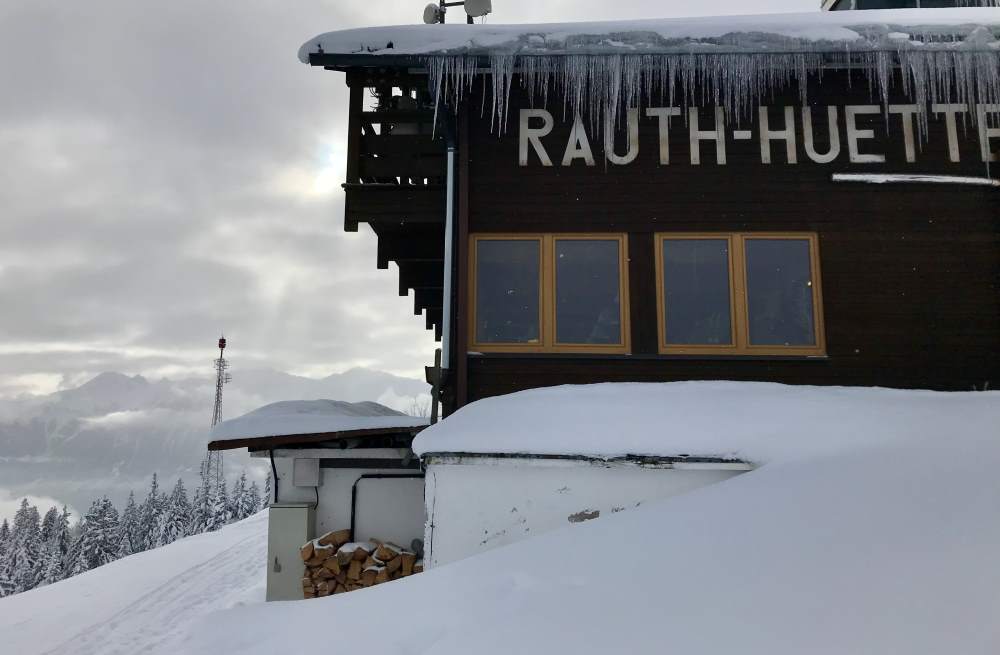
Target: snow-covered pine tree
{"points": [[149, 517], [239, 500], [98, 541], [49, 525], [267, 490], [62, 539], [25, 552], [254, 497], [6, 583], [220, 515], [176, 515], [201, 508], [129, 528]]}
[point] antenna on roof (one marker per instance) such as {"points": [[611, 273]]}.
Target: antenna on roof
{"points": [[435, 13]]}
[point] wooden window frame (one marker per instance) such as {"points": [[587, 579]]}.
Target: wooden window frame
{"points": [[738, 298], [547, 295]]}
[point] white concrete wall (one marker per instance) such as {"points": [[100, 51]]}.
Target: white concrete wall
{"points": [[478, 503], [389, 509]]}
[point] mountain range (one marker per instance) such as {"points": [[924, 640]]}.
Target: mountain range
{"points": [[110, 434]]}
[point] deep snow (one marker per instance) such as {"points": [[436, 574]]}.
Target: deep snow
{"points": [[871, 527], [142, 603]]}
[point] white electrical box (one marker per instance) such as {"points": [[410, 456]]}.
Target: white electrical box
{"points": [[305, 472], [289, 526]]}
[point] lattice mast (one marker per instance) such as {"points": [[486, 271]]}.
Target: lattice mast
{"points": [[222, 376]]}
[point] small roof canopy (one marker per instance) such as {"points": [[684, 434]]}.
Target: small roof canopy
{"points": [[303, 422]]}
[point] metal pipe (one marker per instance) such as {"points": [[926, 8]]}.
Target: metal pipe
{"points": [[274, 477], [449, 215]]}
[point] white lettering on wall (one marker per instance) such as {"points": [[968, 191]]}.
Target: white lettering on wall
{"points": [[537, 125], [854, 134], [698, 135], [906, 113], [633, 141], [533, 135], [949, 112], [767, 135], [986, 132], [662, 115], [833, 129], [578, 146]]}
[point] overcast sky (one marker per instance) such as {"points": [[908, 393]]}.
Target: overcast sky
{"points": [[169, 170]]}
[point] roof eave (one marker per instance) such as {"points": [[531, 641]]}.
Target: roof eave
{"points": [[280, 440]]}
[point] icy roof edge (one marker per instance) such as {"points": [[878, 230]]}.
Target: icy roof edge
{"points": [[893, 29]]}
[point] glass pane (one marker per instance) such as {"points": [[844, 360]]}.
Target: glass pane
{"points": [[587, 288], [696, 300], [779, 292], [507, 282], [886, 4]]}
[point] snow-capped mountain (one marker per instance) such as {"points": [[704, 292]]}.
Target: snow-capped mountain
{"points": [[110, 434]]}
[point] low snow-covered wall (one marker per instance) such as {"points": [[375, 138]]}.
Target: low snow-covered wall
{"points": [[478, 502]]}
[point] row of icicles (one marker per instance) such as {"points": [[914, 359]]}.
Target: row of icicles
{"points": [[600, 87]]}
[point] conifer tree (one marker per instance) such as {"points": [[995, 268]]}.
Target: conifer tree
{"points": [[255, 500], [49, 525], [201, 513], [24, 555], [129, 529], [220, 515], [176, 515], [267, 491], [6, 582], [149, 518], [240, 501], [98, 541]]}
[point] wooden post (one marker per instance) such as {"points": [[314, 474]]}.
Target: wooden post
{"points": [[461, 305]]}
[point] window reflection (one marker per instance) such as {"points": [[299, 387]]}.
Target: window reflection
{"points": [[588, 306], [779, 292], [697, 301], [507, 283]]}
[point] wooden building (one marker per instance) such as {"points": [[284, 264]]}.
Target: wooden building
{"points": [[806, 199]]}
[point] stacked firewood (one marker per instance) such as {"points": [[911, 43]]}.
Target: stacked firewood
{"points": [[334, 564]]}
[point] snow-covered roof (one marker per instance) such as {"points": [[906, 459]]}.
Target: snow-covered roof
{"points": [[752, 421], [810, 32], [300, 417]]}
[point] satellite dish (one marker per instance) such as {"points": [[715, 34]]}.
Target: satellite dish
{"points": [[432, 14], [477, 8]]}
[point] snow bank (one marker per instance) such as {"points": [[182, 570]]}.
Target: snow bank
{"points": [[313, 417], [755, 421], [142, 603], [812, 31], [872, 529]]}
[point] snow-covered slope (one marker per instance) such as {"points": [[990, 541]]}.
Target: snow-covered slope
{"points": [[142, 603]]}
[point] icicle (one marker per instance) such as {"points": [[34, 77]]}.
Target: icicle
{"points": [[603, 87]]}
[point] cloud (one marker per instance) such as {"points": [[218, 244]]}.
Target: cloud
{"points": [[172, 171]]}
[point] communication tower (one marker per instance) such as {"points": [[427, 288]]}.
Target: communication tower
{"points": [[215, 472]]}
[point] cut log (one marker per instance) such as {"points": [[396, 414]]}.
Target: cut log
{"points": [[341, 577], [331, 564], [354, 570], [371, 561], [323, 551], [307, 582], [344, 556], [323, 573], [339, 589], [394, 564], [368, 577], [316, 560], [418, 567], [337, 538], [382, 576], [407, 561], [360, 554], [386, 552], [307, 551]]}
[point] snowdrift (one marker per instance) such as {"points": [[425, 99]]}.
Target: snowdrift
{"points": [[142, 603], [871, 527]]}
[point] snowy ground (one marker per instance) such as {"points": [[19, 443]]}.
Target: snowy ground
{"points": [[142, 603], [880, 537]]}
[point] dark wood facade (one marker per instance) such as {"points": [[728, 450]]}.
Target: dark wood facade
{"points": [[910, 272]]}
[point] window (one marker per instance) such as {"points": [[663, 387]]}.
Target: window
{"points": [[549, 293], [739, 294]]}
